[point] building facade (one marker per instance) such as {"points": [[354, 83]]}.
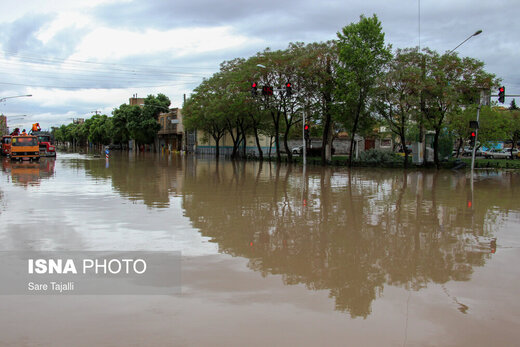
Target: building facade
{"points": [[170, 136], [3, 125]]}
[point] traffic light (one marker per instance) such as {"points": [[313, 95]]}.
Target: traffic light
{"points": [[253, 89], [306, 131], [472, 136], [288, 89], [267, 90], [501, 94]]}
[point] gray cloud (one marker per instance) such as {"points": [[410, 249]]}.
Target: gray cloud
{"points": [[444, 24], [20, 36]]}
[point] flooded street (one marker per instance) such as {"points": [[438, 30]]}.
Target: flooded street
{"points": [[271, 255]]}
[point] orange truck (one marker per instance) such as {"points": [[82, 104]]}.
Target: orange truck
{"points": [[24, 147]]}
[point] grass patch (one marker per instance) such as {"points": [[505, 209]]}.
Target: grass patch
{"points": [[481, 163]]}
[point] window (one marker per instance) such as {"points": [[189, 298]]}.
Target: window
{"points": [[25, 141]]}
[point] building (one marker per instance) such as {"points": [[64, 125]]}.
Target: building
{"points": [[135, 101], [3, 125], [170, 136]]}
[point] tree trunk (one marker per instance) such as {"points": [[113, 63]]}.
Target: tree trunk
{"points": [[285, 144], [276, 122], [459, 146], [236, 141], [326, 144], [436, 148], [354, 128], [217, 147], [258, 146], [403, 142], [257, 138], [244, 146]]}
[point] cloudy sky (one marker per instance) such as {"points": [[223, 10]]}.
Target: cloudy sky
{"points": [[81, 57]]}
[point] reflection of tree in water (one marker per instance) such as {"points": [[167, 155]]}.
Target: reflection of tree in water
{"points": [[347, 232]]}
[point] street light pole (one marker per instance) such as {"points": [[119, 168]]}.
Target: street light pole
{"points": [[478, 32], [17, 96]]}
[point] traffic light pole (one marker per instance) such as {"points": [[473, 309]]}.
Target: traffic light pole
{"points": [[304, 140], [475, 144]]}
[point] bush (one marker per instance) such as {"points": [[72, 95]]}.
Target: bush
{"points": [[377, 157]]}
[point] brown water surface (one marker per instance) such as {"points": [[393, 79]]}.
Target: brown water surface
{"points": [[272, 254]]}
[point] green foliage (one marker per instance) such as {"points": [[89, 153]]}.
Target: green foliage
{"points": [[449, 83], [128, 122], [154, 105], [100, 127], [353, 84], [446, 141], [362, 56], [377, 157]]}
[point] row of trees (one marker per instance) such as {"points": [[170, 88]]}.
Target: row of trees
{"points": [[353, 84], [128, 122]]}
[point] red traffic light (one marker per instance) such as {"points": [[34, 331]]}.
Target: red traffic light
{"points": [[501, 94], [473, 134], [253, 85], [306, 127], [288, 85]]}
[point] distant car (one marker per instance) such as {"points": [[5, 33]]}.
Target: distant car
{"points": [[468, 152], [297, 150], [500, 153], [408, 150], [310, 151], [114, 146]]}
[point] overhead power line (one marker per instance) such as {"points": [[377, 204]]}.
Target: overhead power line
{"points": [[31, 71]]}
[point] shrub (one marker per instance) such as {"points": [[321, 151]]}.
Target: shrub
{"points": [[377, 157]]}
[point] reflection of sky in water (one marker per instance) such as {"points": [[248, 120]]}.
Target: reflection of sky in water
{"points": [[73, 210]]}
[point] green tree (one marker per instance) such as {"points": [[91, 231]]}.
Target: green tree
{"points": [[202, 112], [119, 130], [99, 132], [449, 84], [315, 78], [362, 55], [155, 105], [493, 125], [399, 93], [141, 128], [279, 68], [512, 117]]}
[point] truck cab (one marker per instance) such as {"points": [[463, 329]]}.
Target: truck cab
{"points": [[45, 144], [6, 145], [24, 147]]}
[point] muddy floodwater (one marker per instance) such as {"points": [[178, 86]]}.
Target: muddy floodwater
{"points": [[272, 255]]}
